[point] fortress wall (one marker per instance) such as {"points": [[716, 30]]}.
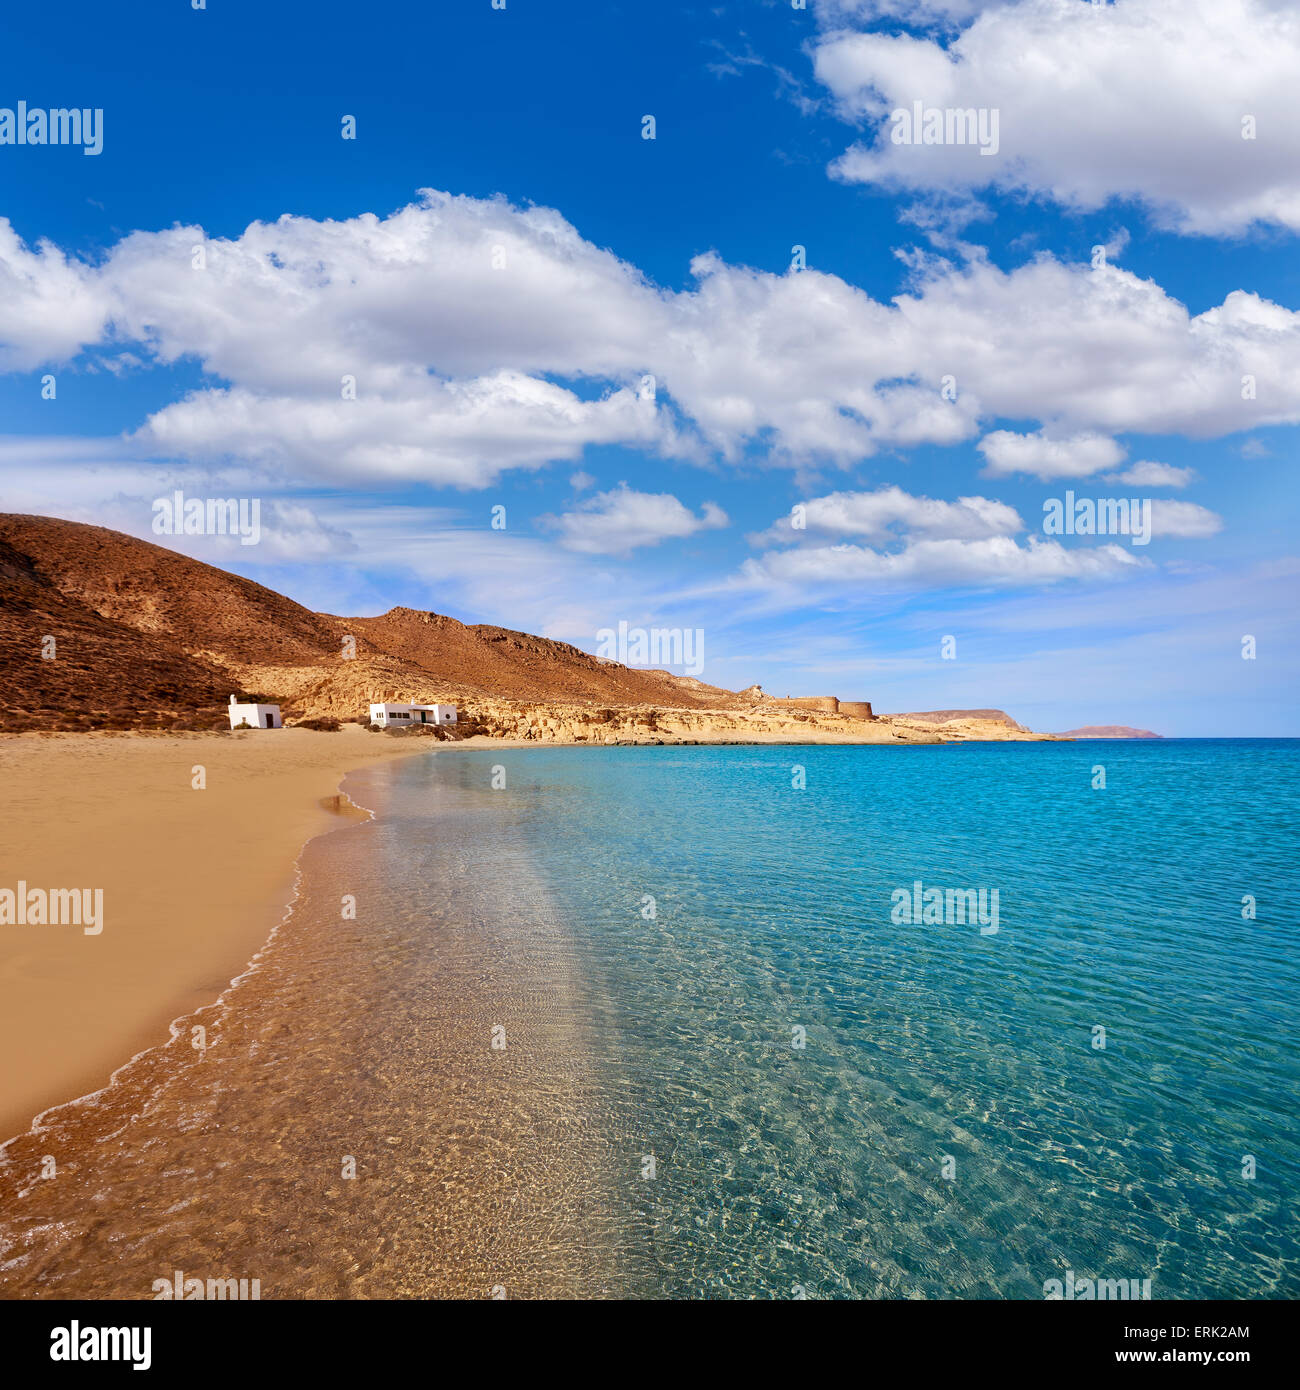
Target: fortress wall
{"points": [[828, 704]]}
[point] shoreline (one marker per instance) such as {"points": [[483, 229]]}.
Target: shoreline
{"points": [[196, 881], [516, 1169], [210, 1151]]}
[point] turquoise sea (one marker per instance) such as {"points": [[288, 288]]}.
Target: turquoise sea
{"points": [[841, 1104], [651, 1022]]}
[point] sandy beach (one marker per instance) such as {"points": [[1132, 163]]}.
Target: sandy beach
{"points": [[360, 1047], [193, 882]]}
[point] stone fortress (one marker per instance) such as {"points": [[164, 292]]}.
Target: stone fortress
{"points": [[822, 704]]}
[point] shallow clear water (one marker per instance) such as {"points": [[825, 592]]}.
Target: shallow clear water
{"points": [[823, 1166], [948, 1129]]}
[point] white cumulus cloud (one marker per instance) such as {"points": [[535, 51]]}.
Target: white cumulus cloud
{"points": [[458, 433], [1141, 99], [49, 305], [919, 542], [478, 337], [611, 523], [890, 511], [1074, 456], [1184, 520]]}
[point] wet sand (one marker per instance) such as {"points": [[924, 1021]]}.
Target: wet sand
{"points": [[194, 881], [400, 1102]]}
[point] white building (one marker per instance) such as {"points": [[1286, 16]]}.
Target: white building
{"points": [[255, 716], [400, 716]]}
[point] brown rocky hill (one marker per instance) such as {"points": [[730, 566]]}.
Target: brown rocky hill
{"points": [[515, 665], [147, 637], [62, 664], [158, 591]]}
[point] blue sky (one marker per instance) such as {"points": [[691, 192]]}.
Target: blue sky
{"points": [[502, 329]]}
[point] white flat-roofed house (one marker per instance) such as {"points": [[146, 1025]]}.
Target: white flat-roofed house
{"points": [[398, 716], [255, 716]]}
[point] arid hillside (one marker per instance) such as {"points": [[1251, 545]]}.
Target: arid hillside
{"points": [[145, 637], [63, 664], [946, 716], [157, 591], [498, 662], [1108, 731], [99, 630]]}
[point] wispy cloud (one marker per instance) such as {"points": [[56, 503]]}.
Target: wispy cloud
{"points": [[615, 522]]}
